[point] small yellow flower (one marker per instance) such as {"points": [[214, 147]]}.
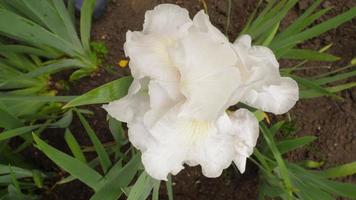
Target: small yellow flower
{"points": [[123, 63]]}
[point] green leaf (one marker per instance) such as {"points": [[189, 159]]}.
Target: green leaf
{"points": [[270, 35], [313, 86], [54, 67], [99, 148], [37, 178], [7, 120], [37, 99], [316, 30], [337, 77], [85, 23], [17, 171], [14, 193], [142, 188], [305, 94], [75, 167], [292, 144], [276, 127], [116, 179], [306, 54], [169, 187], [155, 193], [260, 115], [65, 121], [74, 146], [251, 18], [273, 17], [27, 50], [303, 21], [66, 17], [103, 94], [339, 171], [342, 189], [71, 10], [17, 131], [278, 157], [30, 32], [117, 131]]}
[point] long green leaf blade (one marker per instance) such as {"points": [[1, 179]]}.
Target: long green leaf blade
{"points": [[116, 180], [99, 148], [75, 167], [103, 94], [85, 23]]}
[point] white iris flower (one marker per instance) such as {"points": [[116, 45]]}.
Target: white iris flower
{"points": [[186, 75]]}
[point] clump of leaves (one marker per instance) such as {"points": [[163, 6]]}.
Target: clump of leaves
{"points": [[285, 180], [46, 28]]}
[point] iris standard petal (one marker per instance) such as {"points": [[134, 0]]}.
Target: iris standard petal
{"points": [[167, 19], [206, 66]]}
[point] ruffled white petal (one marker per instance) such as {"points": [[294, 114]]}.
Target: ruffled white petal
{"points": [[149, 56], [206, 66], [214, 152], [133, 105], [163, 159], [245, 130], [202, 24], [277, 96], [263, 87], [181, 140], [139, 135], [167, 19], [244, 41], [168, 153]]}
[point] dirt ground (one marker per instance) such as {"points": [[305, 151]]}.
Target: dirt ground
{"points": [[332, 121]]}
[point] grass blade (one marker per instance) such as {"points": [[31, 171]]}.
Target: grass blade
{"points": [[306, 94], [277, 155], [337, 77], [142, 188], [339, 171], [306, 54], [292, 144], [103, 94], [316, 30], [99, 148], [169, 186], [117, 179], [75, 167], [314, 87], [17, 131], [36, 98], [85, 23], [74, 146]]}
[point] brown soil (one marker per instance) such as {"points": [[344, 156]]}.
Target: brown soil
{"points": [[333, 122]]}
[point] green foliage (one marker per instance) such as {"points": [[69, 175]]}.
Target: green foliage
{"points": [[114, 178], [47, 42], [264, 31], [46, 28], [19, 183], [103, 94], [284, 180], [100, 50]]}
